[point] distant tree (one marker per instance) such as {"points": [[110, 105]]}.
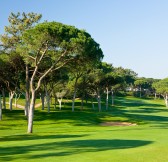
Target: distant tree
{"points": [[83, 90], [154, 89], [144, 85], [54, 83], [149, 90], [60, 89], [96, 77], [77, 71], [108, 80], [11, 73], [161, 87], [126, 77], [60, 96], [140, 83]]}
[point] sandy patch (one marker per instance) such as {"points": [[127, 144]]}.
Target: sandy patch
{"points": [[117, 124]]}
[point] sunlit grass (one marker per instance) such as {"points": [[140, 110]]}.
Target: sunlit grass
{"points": [[67, 136]]}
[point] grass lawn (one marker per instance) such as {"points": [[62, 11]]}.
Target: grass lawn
{"points": [[65, 136]]}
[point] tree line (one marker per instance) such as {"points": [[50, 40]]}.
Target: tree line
{"points": [[54, 60]]}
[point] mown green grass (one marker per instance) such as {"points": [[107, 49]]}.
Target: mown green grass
{"points": [[66, 136]]}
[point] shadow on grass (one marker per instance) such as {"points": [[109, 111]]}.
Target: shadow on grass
{"points": [[140, 111], [131, 110], [148, 110], [138, 102], [16, 114], [142, 116], [75, 118], [65, 148], [26, 137]]}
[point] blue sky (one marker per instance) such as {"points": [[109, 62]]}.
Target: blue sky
{"points": [[132, 33]]}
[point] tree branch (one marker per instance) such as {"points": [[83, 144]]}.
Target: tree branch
{"points": [[50, 70], [37, 65]]}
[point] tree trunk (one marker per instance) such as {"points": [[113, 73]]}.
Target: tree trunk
{"points": [[60, 101], [112, 98], [47, 98], [99, 100], [42, 100], [11, 94], [140, 95], [51, 99], [55, 101], [15, 100], [107, 97], [166, 100], [93, 104], [82, 102], [73, 101], [74, 95], [155, 96], [27, 104], [4, 98], [0, 109], [86, 99], [48, 101], [31, 112]]}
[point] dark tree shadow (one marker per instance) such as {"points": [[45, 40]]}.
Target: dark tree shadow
{"points": [[68, 148], [26, 137], [127, 102]]}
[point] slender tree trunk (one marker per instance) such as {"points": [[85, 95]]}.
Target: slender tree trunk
{"points": [[60, 103], [74, 95], [93, 104], [166, 100], [42, 100], [16, 96], [27, 104], [11, 94], [9, 100], [31, 112], [0, 109], [99, 100], [15, 100], [155, 96], [73, 100], [82, 102], [86, 99], [51, 99], [48, 100], [107, 97], [55, 101], [112, 98], [140, 95], [4, 98], [45, 101]]}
